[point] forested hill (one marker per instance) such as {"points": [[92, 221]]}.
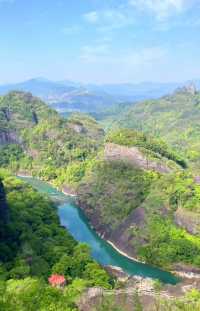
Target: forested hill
{"points": [[173, 118], [141, 196], [20, 111], [36, 139]]}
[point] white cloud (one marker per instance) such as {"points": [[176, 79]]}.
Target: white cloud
{"points": [[124, 65], [122, 16], [146, 56], [103, 54], [109, 19], [92, 17], [163, 9], [94, 53]]}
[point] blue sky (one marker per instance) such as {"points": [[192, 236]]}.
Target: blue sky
{"points": [[100, 41]]}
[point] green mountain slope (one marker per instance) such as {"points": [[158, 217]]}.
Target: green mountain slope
{"points": [[36, 139], [135, 196], [173, 118]]}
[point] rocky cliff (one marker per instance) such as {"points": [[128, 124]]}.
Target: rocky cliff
{"points": [[133, 156], [8, 137], [3, 203], [3, 212], [137, 293]]}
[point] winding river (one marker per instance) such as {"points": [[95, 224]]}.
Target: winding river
{"points": [[74, 220]]}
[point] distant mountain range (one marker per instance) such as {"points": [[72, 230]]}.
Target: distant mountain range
{"points": [[68, 96]]}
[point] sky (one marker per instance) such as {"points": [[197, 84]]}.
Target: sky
{"points": [[100, 41]]}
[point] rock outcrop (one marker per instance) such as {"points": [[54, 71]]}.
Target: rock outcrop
{"points": [[188, 89], [187, 220], [8, 137], [137, 294], [122, 236], [134, 156]]}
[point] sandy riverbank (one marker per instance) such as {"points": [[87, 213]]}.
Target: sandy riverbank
{"points": [[24, 176], [123, 253], [67, 193]]}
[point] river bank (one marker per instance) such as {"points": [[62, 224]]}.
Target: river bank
{"points": [[72, 194], [123, 253], [75, 195], [105, 252], [69, 193]]}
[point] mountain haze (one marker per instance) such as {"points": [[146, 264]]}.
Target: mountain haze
{"points": [[67, 96]]}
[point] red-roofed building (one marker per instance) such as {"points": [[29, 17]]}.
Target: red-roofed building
{"points": [[57, 280]]}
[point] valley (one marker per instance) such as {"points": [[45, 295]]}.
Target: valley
{"points": [[98, 100], [100, 155], [135, 188], [77, 224]]}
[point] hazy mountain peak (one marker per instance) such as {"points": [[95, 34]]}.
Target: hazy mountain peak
{"points": [[189, 88]]}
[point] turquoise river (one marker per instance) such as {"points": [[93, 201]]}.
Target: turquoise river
{"points": [[74, 220]]}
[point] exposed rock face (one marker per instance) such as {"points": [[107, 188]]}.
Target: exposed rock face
{"points": [[78, 128], [68, 190], [187, 220], [117, 272], [34, 118], [126, 233], [187, 271], [121, 237], [114, 152], [197, 180], [191, 89], [8, 137], [188, 89], [137, 294], [3, 205], [6, 113], [90, 130]]}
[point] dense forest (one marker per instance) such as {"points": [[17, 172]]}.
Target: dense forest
{"points": [[33, 246]]}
